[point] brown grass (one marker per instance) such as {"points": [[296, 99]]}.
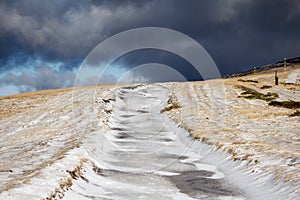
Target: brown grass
{"points": [[295, 114], [66, 184], [250, 93], [172, 104], [37, 93], [286, 104], [251, 81], [265, 87], [29, 174]]}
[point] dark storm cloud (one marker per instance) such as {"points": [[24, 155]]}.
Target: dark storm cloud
{"points": [[140, 57], [61, 30], [70, 29], [237, 34]]}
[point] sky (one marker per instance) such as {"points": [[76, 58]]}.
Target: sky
{"points": [[44, 43]]}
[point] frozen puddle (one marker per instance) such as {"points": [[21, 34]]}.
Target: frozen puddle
{"points": [[146, 156]]}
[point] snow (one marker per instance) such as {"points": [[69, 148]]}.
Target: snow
{"points": [[119, 145], [294, 77]]}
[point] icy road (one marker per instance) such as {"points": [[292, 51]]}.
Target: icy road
{"points": [[146, 156]]}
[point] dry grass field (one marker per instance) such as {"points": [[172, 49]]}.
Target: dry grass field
{"points": [[249, 117], [236, 115]]}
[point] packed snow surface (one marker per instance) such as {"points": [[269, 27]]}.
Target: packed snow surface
{"points": [[122, 142]]}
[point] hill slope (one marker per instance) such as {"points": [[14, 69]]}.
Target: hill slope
{"points": [[48, 139]]}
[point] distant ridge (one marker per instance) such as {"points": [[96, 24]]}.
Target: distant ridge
{"points": [[295, 60], [289, 61]]}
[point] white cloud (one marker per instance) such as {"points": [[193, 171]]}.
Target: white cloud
{"points": [[41, 78]]}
